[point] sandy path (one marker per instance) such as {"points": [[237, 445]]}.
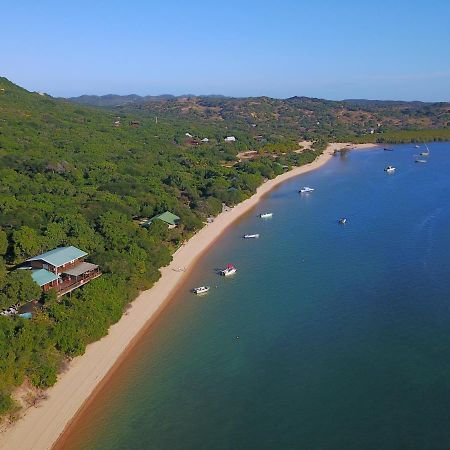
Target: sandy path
{"points": [[40, 427]]}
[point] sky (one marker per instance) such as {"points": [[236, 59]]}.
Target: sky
{"points": [[338, 49]]}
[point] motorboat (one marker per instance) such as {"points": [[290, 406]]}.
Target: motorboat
{"points": [[306, 189], [389, 169], [342, 220], [420, 160], [427, 153], [201, 290], [387, 149], [251, 236], [265, 215], [229, 270]]}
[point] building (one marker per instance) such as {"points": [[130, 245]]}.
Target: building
{"points": [[205, 140], [167, 217], [63, 269], [230, 139]]}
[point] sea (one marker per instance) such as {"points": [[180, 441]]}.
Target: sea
{"points": [[329, 336]]}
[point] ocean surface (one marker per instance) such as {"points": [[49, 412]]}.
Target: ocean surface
{"points": [[329, 336]]}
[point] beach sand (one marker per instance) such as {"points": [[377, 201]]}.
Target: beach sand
{"points": [[40, 427]]}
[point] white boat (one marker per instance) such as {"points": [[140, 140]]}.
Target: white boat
{"points": [[230, 270], [306, 189], [389, 169], [417, 146], [201, 290], [420, 160], [427, 152], [265, 215], [251, 236], [342, 220]]}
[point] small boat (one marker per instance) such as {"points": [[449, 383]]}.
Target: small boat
{"points": [[387, 149], [230, 270], [305, 189], [201, 290], [420, 160], [389, 169], [427, 153], [265, 215], [342, 221], [251, 236], [417, 146]]}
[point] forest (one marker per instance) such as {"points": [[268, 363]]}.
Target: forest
{"points": [[73, 174]]}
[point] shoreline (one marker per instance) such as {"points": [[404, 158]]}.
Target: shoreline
{"points": [[77, 386]]}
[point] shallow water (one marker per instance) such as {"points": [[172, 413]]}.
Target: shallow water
{"points": [[344, 330]]}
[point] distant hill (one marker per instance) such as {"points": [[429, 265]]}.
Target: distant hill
{"points": [[295, 117]]}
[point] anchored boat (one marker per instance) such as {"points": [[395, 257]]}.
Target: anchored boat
{"points": [[230, 270], [306, 189], [201, 290], [251, 236], [389, 169], [342, 220], [265, 215]]}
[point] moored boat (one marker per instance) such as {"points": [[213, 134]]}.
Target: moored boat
{"points": [[306, 189], [418, 160], [342, 220], [229, 270], [265, 215], [389, 169], [251, 236], [201, 290]]}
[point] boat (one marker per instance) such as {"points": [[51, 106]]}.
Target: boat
{"points": [[389, 169], [265, 215], [425, 153], [387, 149], [306, 189], [342, 220], [417, 146], [201, 290], [230, 270], [251, 236], [420, 160]]}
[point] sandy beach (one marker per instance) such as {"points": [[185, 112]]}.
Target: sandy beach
{"points": [[41, 426]]}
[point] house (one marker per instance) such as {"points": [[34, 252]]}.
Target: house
{"points": [[230, 139], [63, 269], [205, 140], [189, 135], [135, 124], [167, 217]]}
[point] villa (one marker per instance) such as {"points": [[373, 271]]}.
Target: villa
{"points": [[63, 269], [167, 217]]}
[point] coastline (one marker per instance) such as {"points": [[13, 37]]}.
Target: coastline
{"points": [[86, 373]]}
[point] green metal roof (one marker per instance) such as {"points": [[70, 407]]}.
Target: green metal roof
{"points": [[166, 217], [43, 277], [60, 256]]}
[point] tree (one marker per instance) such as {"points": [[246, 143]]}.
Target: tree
{"points": [[3, 243], [20, 288], [26, 242]]}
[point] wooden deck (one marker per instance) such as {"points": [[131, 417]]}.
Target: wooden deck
{"points": [[70, 285]]}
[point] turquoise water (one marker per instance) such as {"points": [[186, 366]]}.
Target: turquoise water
{"points": [[344, 331]]}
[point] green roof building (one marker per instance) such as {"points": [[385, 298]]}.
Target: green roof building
{"points": [[167, 217], [44, 277]]}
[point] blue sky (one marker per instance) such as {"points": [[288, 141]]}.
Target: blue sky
{"points": [[330, 49]]}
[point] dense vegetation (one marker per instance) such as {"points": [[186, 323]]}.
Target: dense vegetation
{"points": [[76, 175], [70, 177]]}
